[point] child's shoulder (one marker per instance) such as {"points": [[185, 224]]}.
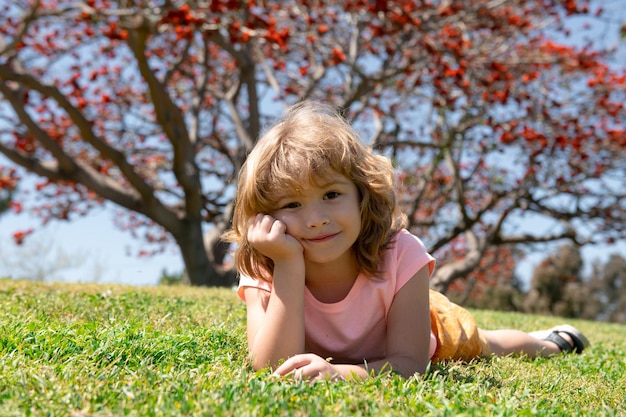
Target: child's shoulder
{"points": [[404, 238], [407, 248], [405, 256], [246, 281]]}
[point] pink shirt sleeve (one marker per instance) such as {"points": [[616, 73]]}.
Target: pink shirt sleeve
{"points": [[246, 281], [411, 256]]}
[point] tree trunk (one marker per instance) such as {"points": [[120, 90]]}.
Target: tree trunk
{"points": [[445, 275], [199, 270]]}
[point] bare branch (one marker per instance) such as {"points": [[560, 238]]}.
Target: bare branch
{"points": [[451, 271], [28, 18], [82, 174], [528, 238], [83, 125], [171, 119]]}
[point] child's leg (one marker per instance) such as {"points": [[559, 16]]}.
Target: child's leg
{"points": [[458, 337], [506, 341]]}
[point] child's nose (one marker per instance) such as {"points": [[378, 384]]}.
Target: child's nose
{"points": [[317, 219]]}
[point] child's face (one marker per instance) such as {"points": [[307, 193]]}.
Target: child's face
{"points": [[324, 217]]}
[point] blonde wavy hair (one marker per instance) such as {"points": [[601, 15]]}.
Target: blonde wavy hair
{"points": [[307, 145]]}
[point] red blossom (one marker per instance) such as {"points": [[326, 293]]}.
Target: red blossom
{"points": [[20, 235], [337, 56], [16, 206]]}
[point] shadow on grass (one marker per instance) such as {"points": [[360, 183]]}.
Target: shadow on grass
{"points": [[463, 372]]}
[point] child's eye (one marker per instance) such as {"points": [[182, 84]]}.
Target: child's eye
{"points": [[291, 205], [331, 195]]}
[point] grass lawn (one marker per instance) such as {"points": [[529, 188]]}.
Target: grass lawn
{"points": [[105, 350]]}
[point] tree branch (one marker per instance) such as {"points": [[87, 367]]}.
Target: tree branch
{"points": [[447, 273], [83, 174], [143, 201], [170, 118], [30, 16], [243, 62], [83, 125]]}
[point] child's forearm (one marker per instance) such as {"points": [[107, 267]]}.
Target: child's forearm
{"points": [[281, 334]]}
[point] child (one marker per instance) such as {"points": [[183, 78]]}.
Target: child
{"points": [[334, 286]]}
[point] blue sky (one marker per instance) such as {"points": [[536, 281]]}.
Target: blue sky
{"points": [[96, 250]]}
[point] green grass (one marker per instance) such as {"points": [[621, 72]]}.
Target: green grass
{"points": [[101, 350]]}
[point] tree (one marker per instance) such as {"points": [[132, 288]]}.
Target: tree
{"points": [[5, 199], [153, 105], [171, 278], [554, 283], [608, 289], [493, 284], [558, 287], [8, 184]]}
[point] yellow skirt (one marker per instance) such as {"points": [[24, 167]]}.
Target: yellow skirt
{"points": [[456, 331]]}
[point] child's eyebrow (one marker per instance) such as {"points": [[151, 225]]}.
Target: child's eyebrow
{"points": [[333, 182], [282, 197], [287, 196]]}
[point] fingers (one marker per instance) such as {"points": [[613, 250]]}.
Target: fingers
{"points": [[278, 227], [266, 225], [271, 238], [306, 367], [292, 364]]}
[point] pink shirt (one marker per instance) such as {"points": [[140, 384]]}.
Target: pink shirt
{"points": [[354, 329]]}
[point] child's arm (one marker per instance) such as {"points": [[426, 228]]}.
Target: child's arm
{"points": [[408, 340], [275, 320], [408, 327]]}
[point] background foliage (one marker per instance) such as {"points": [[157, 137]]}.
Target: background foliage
{"points": [[558, 287]]}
